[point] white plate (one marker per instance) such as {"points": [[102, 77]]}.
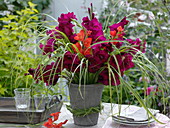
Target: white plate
{"points": [[133, 123]]}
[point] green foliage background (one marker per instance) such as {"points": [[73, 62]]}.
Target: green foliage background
{"points": [[17, 49]]}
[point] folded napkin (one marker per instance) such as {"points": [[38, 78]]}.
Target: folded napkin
{"points": [[141, 114], [135, 113]]}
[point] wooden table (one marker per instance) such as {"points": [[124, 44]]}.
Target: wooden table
{"points": [[105, 120]]}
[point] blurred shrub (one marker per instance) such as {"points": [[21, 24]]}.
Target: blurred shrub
{"points": [[17, 49], [12, 6]]}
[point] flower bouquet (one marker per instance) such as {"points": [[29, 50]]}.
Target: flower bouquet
{"points": [[90, 55], [85, 54]]}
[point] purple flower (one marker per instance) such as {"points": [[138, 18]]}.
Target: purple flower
{"points": [[126, 62], [71, 62], [116, 61], [121, 62], [65, 26], [95, 62], [66, 18], [107, 47], [104, 78], [49, 73], [95, 27], [100, 55], [137, 44], [48, 47], [122, 23], [52, 33]]}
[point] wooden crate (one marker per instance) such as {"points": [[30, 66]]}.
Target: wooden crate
{"points": [[9, 114]]}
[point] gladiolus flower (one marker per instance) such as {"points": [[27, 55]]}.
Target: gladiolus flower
{"points": [[113, 33], [50, 123], [48, 47], [120, 29], [55, 115], [86, 43]]}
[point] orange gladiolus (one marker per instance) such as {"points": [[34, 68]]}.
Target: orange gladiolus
{"points": [[89, 33], [60, 124], [87, 51], [80, 36], [77, 48], [86, 42], [120, 29], [113, 33]]}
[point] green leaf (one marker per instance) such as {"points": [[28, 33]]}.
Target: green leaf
{"points": [[32, 5], [4, 69], [2, 90]]}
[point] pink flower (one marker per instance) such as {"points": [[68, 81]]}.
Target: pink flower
{"points": [[66, 26], [151, 89]]}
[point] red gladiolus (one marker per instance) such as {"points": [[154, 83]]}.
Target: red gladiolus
{"points": [[87, 42], [122, 23], [60, 124], [80, 36], [50, 123], [84, 49], [55, 115], [77, 48], [113, 33]]}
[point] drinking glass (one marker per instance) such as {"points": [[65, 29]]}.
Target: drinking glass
{"points": [[22, 98], [40, 101]]}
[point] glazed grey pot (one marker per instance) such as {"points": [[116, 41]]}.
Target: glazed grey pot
{"points": [[85, 96]]}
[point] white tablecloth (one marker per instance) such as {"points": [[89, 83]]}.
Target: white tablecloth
{"points": [[105, 120]]}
